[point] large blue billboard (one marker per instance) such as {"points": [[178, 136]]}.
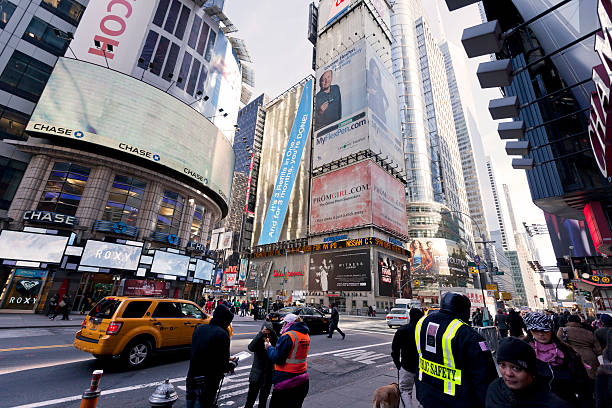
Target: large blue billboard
{"points": [[279, 202]]}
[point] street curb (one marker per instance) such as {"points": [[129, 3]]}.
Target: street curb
{"points": [[39, 327]]}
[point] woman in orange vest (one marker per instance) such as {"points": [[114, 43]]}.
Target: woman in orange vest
{"points": [[290, 378]]}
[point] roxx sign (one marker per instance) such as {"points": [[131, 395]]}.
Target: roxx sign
{"points": [[600, 121]]}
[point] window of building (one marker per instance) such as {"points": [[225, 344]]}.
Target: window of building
{"points": [[11, 172], [169, 217], [197, 225], [25, 76], [6, 11], [64, 188], [211, 44], [182, 23], [195, 30], [160, 55], [171, 61], [124, 200], [12, 123], [160, 13], [68, 10], [172, 16], [42, 35], [203, 38], [147, 50], [184, 71], [193, 78]]}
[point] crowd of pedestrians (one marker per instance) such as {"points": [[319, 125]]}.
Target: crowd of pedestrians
{"points": [[543, 359]]}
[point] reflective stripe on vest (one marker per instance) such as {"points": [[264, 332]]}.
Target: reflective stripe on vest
{"points": [[296, 360], [446, 372]]}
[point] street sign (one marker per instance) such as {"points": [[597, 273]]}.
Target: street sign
{"points": [[491, 286], [477, 260], [498, 273], [472, 264]]}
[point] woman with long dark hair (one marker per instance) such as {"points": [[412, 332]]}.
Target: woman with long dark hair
{"points": [[557, 362]]}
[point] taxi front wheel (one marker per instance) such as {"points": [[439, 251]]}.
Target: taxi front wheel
{"points": [[136, 353]]}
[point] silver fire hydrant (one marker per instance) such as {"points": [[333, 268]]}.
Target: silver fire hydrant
{"points": [[164, 395]]}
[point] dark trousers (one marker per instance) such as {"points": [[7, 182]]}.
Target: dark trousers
{"points": [[503, 332], [263, 389], [201, 392], [289, 398], [334, 327]]}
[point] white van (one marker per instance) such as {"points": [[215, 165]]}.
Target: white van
{"points": [[407, 303]]}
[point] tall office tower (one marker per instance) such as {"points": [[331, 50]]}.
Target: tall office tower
{"points": [[464, 140], [30, 48], [501, 211]]}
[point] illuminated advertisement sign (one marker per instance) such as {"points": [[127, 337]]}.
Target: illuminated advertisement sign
{"points": [[167, 263], [125, 114], [146, 287], [601, 106], [393, 276], [292, 157], [356, 108], [357, 195], [204, 270], [109, 255], [26, 246], [119, 27], [345, 270], [437, 260]]}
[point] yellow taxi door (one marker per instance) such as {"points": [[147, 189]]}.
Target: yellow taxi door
{"points": [[193, 316], [168, 319]]}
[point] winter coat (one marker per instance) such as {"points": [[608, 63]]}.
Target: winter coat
{"points": [[537, 395], [601, 335], [501, 321], [403, 348], [210, 347], [515, 324], [280, 352], [335, 316], [261, 370], [584, 342]]}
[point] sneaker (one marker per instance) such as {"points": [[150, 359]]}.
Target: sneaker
{"points": [[343, 336]]}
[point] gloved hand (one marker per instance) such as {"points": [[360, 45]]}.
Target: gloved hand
{"points": [[233, 363]]}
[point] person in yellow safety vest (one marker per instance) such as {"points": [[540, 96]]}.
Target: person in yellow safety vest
{"points": [[455, 364], [290, 378]]}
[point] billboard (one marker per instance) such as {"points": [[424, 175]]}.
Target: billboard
{"points": [[393, 277], [435, 257], [566, 232], [168, 263], [24, 290], [345, 270], [109, 255], [332, 10], [356, 108], [224, 86], [117, 23], [356, 195], [146, 287], [285, 180], [204, 270], [26, 246], [122, 113], [381, 7]]}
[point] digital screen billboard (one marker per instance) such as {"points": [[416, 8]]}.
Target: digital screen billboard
{"points": [[92, 104], [393, 276], [435, 257], [167, 263], [204, 270], [344, 270], [356, 107], [26, 246], [109, 255], [356, 195], [564, 232]]}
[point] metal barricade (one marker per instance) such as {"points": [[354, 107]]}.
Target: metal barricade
{"points": [[491, 336]]}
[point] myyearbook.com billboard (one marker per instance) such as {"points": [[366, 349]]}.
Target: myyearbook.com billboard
{"points": [[356, 108], [345, 270], [357, 195], [88, 103]]}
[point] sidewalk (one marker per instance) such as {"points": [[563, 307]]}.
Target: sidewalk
{"points": [[355, 395], [30, 321]]}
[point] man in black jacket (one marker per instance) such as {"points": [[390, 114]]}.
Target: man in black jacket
{"points": [[405, 355], [455, 363], [518, 385], [333, 323], [210, 358], [260, 379]]}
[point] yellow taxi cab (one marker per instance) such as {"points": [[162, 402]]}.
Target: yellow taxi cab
{"points": [[131, 328]]}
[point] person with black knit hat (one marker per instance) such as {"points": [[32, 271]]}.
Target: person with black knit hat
{"points": [[519, 385]]}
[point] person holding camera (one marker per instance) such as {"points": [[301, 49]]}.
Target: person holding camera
{"points": [[210, 359], [260, 379]]}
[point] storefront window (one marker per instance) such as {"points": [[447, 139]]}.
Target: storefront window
{"points": [[24, 289], [64, 188], [124, 200], [169, 217], [197, 225]]}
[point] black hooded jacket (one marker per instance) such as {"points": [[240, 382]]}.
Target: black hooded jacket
{"points": [[403, 348], [262, 367], [210, 347]]}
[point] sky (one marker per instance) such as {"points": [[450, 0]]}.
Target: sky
{"points": [[275, 33]]}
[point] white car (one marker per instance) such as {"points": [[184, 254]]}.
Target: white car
{"points": [[397, 317]]}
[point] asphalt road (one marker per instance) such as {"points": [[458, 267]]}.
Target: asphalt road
{"points": [[40, 368]]}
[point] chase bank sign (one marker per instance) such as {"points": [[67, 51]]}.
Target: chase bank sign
{"points": [[47, 217]]}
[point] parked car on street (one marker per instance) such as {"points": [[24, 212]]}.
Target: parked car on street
{"points": [[316, 321], [133, 328], [398, 316]]}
